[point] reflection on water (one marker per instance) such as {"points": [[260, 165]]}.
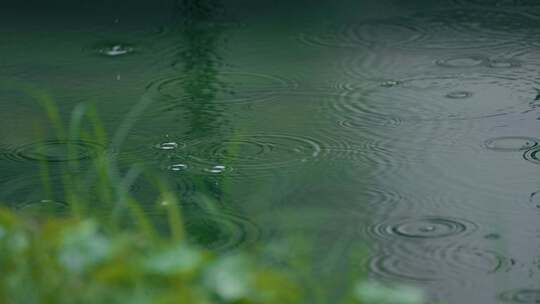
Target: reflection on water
{"points": [[411, 127]]}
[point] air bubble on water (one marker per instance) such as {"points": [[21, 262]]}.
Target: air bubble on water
{"points": [[116, 50], [390, 83], [178, 167], [215, 169], [167, 146]]}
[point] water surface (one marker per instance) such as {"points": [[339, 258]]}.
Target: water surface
{"points": [[410, 127]]}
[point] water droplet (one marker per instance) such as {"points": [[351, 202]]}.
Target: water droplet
{"points": [[459, 95], [511, 143], [253, 154], [167, 146], [116, 50], [215, 169], [178, 167]]}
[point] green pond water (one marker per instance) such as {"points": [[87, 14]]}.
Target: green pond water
{"points": [[408, 127]]}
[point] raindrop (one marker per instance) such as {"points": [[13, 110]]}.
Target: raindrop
{"points": [[459, 95], [115, 50], [178, 167], [167, 146], [247, 153], [215, 169]]}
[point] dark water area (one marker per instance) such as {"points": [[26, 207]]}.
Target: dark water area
{"points": [[409, 127]]}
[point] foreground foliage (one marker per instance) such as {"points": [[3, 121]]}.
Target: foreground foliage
{"points": [[79, 256]]}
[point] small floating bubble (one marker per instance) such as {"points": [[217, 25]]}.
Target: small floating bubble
{"points": [[215, 169], [459, 95], [256, 153], [511, 143], [116, 50], [178, 167], [167, 146]]}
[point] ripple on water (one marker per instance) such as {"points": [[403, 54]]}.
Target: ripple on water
{"points": [[534, 199], [500, 3], [434, 98], [44, 206], [504, 63], [220, 231], [389, 32], [532, 155], [463, 61], [521, 296], [245, 154], [456, 28], [54, 151], [403, 268], [475, 28], [422, 228], [227, 87], [472, 259], [511, 143], [439, 263]]}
